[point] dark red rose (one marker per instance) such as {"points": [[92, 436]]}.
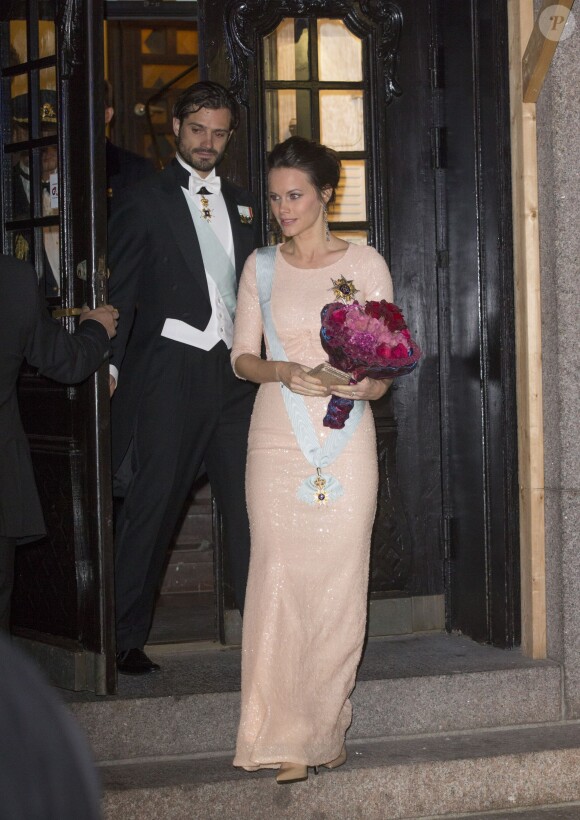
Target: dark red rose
{"points": [[395, 319], [374, 309], [399, 352], [384, 351]]}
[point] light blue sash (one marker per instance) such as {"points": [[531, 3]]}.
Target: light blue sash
{"points": [[216, 261], [320, 488]]}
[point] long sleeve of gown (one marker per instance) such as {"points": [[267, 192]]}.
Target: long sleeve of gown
{"points": [[248, 323]]}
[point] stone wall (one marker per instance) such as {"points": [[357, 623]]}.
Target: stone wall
{"points": [[558, 128]]}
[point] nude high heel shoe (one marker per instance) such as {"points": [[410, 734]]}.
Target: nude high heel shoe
{"points": [[334, 764], [291, 773]]}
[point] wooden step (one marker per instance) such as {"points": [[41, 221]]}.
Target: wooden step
{"points": [[189, 570], [196, 526]]}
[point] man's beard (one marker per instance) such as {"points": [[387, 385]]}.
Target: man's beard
{"points": [[200, 164]]}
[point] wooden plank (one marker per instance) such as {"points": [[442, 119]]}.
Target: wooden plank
{"points": [[548, 28], [528, 340]]}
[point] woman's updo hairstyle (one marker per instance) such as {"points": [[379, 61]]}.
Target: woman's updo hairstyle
{"points": [[319, 163]]}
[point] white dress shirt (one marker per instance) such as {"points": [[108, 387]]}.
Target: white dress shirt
{"points": [[220, 326]]}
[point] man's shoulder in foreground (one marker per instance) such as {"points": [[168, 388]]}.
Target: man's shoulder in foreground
{"points": [[10, 266], [18, 280]]}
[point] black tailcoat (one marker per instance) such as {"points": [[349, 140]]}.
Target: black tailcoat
{"points": [[158, 274], [175, 406]]}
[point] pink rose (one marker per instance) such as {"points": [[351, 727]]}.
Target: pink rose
{"points": [[338, 316]]}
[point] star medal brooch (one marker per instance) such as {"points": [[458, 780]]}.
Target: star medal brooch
{"points": [[344, 290], [205, 209]]}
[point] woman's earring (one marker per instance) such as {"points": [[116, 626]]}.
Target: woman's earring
{"points": [[325, 217]]}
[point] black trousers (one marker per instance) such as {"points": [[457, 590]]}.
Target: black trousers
{"points": [[7, 548], [192, 410]]}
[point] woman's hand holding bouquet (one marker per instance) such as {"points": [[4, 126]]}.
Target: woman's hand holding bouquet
{"points": [[369, 341]]}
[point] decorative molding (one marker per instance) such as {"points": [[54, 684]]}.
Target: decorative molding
{"points": [[149, 10], [390, 20], [247, 20], [70, 39]]}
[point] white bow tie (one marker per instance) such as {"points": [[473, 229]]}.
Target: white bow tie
{"points": [[212, 185]]}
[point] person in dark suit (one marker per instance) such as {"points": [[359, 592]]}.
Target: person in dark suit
{"points": [[124, 168], [47, 769], [177, 245], [27, 331]]}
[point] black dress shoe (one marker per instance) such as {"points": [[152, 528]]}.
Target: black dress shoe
{"points": [[135, 662]]}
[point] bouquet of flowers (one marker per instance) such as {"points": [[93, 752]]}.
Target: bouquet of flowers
{"points": [[365, 340]]}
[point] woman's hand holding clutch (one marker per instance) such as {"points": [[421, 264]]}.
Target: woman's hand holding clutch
{"points": [[297, 379]]}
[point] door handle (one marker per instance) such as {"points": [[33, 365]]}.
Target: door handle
{"points": [[71, 311]]}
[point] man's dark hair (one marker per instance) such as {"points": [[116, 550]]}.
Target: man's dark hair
{"points": [[206, 95], [108, 94]]}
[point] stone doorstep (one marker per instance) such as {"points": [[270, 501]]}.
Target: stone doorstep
{"points": [[559, 811], [175, 724], [397, 777]]}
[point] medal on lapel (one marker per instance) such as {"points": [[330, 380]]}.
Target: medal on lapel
{"points": [[205, 209]]}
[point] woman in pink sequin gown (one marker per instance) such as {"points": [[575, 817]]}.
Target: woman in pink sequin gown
{"points": [[306, 604]]}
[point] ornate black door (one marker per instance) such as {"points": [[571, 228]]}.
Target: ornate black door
{"points": [[422, 126], [53, 113]]}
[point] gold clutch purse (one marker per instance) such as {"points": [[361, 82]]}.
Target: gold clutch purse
{"points": [[329, 375]]}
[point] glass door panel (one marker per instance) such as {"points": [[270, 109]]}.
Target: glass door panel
{"points": [[354, 237], [286, 51], [314, 88], [33, 194], [153, 41], [288, 112], [350, 204], [342, 120], [47, 35], [339, 53]]}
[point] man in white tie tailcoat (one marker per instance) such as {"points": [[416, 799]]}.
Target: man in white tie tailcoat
{"points": [[177, 245]]}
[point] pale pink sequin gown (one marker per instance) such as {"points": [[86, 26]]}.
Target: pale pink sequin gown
{"points": [[306, 603]]}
